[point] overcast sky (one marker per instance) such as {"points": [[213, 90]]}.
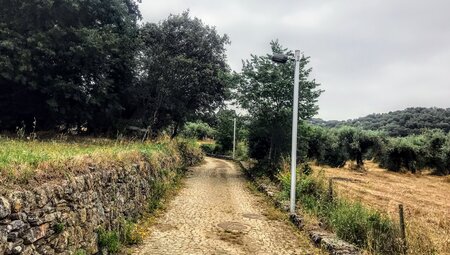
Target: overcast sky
{"points": [[370, 56]]}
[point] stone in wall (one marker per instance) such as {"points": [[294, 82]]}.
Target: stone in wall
{"points": [[62, 218]]}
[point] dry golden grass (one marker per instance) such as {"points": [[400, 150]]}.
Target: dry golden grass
{"points": [[424, 197], [25, 163]]}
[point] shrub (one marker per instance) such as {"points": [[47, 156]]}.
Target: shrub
{"points": [[59, 228], [405, 152], [80, 252], [109, 240], [190, 151], [436, 151], [198, 130], [242, 151], [209, 148], [131, 233]]}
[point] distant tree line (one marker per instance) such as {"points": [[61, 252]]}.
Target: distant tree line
{"points": [[336, 146], [411, 121], [91, 64]]}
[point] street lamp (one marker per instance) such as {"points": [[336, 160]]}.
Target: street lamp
{"points": [[281, 58], [234, 138]]}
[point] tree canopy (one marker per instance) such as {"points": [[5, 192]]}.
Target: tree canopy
{"points": [[183, 72], [265, 90], [65, 62]]}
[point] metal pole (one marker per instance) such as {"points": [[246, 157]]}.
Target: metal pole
{"points": [[294, 131], [234, 138]]}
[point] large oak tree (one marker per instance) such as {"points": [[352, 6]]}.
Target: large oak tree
{"points": [[183, 72]]}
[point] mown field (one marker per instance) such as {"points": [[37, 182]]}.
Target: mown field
{"points": [[424, 197]]}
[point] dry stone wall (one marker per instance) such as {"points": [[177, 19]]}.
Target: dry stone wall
{"points": [[62, 218]]}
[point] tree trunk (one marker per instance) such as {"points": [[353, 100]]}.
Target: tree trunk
{"points": [[175, 131], [359, 160]]}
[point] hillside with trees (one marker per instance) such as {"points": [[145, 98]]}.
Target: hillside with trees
{"points": [[411, 121]]}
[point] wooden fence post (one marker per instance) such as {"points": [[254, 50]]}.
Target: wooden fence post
{"points": [[330, 189], [402, 227]]}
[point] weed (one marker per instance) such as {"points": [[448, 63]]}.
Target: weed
{"points": [[80, 252], [109, 240], [131, 234], [59, 228]]}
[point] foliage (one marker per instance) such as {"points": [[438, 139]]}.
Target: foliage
{"points": [[242, 151], [265, 90], [66, 62], [88, 65], [210, 148], [189, 151], [398, 123], [437, 151], [199, 130], [109, 240], [80, 252], [224, 124], [183, 72], [59, 228], [403, 153], [356, 143], [335, 146], [131, 235]]}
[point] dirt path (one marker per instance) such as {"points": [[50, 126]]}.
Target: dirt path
{"points": [[216, 214]]}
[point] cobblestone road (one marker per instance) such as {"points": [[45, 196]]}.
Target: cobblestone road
{"points": [[215, 213]]}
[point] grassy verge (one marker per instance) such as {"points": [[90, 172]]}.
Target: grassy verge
{"points": [[23, 162], [351, 221]]}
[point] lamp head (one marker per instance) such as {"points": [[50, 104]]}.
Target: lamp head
{"points": [[279, 58]]}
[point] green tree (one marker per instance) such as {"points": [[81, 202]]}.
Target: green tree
{"points": [[265, 90], [403, 153], [183, 72], [65, 62], [436, 151], [198, 130], [357, 142], [225, 125]]}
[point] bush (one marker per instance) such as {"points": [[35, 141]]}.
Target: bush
{"points": [[198, 130], [242, 151], [109, 240], [131, 234], [403, 153], [190, 151], [436, 151], [80, 252], [209, 148]]}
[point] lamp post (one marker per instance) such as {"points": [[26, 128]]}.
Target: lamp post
{"points": [[234, 138], [281, 58]]}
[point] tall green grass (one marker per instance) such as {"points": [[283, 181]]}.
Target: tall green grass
{"points": [[351, 221], [21, 160]]}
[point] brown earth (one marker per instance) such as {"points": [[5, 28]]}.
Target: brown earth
{"points": [[215, 213]]}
